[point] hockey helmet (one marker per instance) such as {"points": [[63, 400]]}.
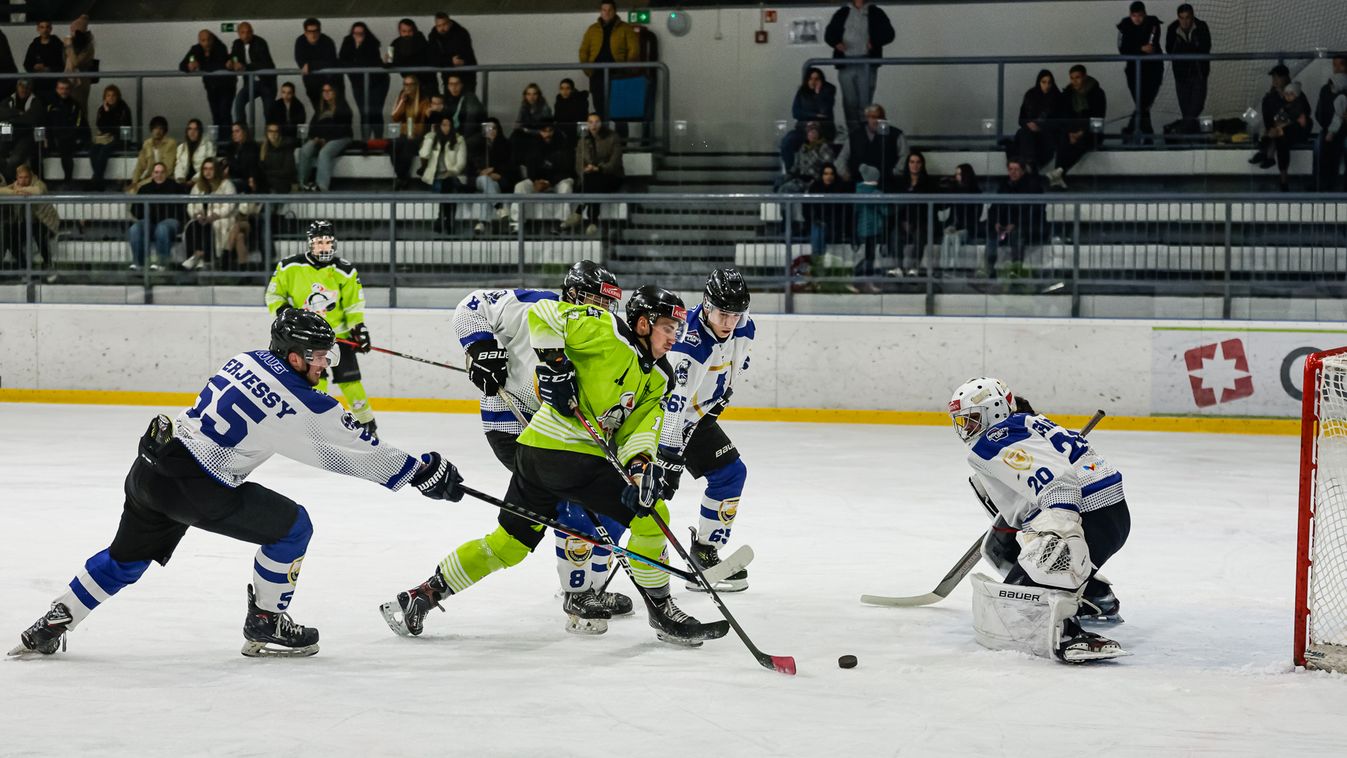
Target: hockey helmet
{"points": [[303, 332], [319, 229], [590, 283], [979, 404], [726, 290], [652, 302]]}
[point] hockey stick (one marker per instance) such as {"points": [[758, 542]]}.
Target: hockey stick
{"points": [[970, 558], [784, 664], [386, 351]]}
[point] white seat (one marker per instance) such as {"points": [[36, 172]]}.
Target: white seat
{"points": [[458, 252]]}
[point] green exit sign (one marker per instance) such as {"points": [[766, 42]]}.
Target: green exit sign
{"points": [[227, 26], [638, 17]]}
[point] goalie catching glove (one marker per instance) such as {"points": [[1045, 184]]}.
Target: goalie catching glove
{"points": [[488, 366], [1053, 551], [438, 479]]}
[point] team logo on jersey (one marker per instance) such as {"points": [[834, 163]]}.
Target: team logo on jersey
{"points": [[320, 300], [1017, 459], [728, 510], [613, 418], [692, 338], [1090, 467], [293, 573], [578, 551], [997, 434], [681, 372]]}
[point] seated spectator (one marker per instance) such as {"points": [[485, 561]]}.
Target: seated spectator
{"points": [[1290, 125], [490, 166], [208, 222], [964, 218], [451, 46], [1040, 114], [287, 112], [444, 164], [410, 112], [45, 54], [209, 54], [277, 157], [827, 221], [252, 53], [1082, 100], [809, 160], [79, 58], [879, 144], [871, 221], [242, 157], [464, 106], [193, 151], [67, 131], [316, 52], [24, 111], [109, 119], [162, 224], [410, 49], [14, 226], [533, 110], [1332, 114], [547, 165], [814, 103], [238, 236], [158, 148], [1013, 225], [360, 49], [433, 114], [598, 163], [570, 108], [914, 227], [329, 134]]}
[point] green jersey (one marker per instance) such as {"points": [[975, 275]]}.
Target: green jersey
{"points": [[621, 386], [332, 290]]}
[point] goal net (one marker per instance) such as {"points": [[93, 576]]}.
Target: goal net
{"points": [[1321, 555]]}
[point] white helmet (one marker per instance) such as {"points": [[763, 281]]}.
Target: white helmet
{"points": [[979, 404]]}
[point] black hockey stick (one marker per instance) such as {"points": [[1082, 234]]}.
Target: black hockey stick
{"points": [[386, 351], [784, 664]]}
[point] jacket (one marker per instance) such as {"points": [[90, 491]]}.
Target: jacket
{"points": [[288, 118], [278, 172], [814, 106], [159, 211], [547, 160], [318, 56], [335, 125], [1040, 107], [881, 30], [243, 160], [65, 119], [256, 58], [1029, 218], [217, 209], [443, 160], [1095, 102], [870, 217], [1131, 37], [213, 61], [51, 55], [420, 110], [810, 159], [456, 42], [883, 151], [494, 154], [414, 51], [7, 66], [603, 150], [109, 123], [1198, 42], [467, 112], [188, 164], [165, 152], [622, 43], [44, 213], [529, 118]]}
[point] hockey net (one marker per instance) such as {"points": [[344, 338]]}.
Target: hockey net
{"points": [[1321, 554]]}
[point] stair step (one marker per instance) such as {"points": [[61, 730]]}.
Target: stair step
{"points": [[716, 174], [692, 221], [683, 236], [721, 188], [637, 252], [750, 210], [737, 160]]}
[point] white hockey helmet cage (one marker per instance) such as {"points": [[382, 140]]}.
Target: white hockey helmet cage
{"points": [[979, 404]]}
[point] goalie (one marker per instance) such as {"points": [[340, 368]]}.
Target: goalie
{"points": [[1061, 516]]}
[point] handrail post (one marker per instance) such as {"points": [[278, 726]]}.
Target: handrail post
{"points": [[1229, 255], [150, 254], [519, 238], [268, 252], [929, 258], [30, 288], [1136, 97], [1000, 102], [788, 230], [393, 253], [1075, 260]]}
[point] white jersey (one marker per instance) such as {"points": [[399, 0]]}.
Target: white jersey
{"points": [[1028, 464], [704, 367], [503, 315], [257, 406]]}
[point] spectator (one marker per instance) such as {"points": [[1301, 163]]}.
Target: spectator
{"points": [[490, 166], [208, 222], [533, 110], [1139, 34], [14, 229], [1013, 226], [67, 131], [464, 106], [1335, 131], [1189, 35], [109, 120], [1291, 125], [548, 166], [871, 221], [329, 134], [1040, 111], [598, 163], [360, 49], [1323, 115], [1082, 101], [569, 109], [193, 151], [826, 220], [914, 227], [879, 144], [314, 52], [287, 112], [158, 149], [814, 103], [7, 66], [23, 110], [79, 54], [239, 238], [450, 47], [242, 157], [410, 49], [444, 164], [45, 55], [277, 157], [859, 29], [964, 218], [607, 40], [1269, 108], [809, 160], [252, 53], [436, 108], [164, 220], [207, 55], [410, 112]]}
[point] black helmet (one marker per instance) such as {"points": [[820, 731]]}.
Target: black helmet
{"points": [[652, 302], [726, 290], [588, 282], [300, 331], [321, 228]]}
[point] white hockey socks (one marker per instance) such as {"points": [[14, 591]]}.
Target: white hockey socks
{"points": [[716, 520]]}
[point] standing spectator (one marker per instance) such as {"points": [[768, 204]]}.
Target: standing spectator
{"points": [[67, 131], [598, 163], [1040, 111], [444, 163], [207, 55], [1290, 125], [1323, 113], [80, 59], [464, 106], [607, 40], [809, 160], [7, 66], [410, 49], [252, 53], [207, 222], [1139, 34], [329, 134], [410, 112], [879, 144], [548, 166], [315, 52], [1083, 100], [490, 166], [826, 220], [161, 226], [1335, 131], [287, 112], [242, 157], [277, 157], [964, 218], [24, 111], [360, 49], [1189, 35], [13, 230], [158, 149], [450, 47], [109, 120], [45, 55], [859, 29], [914, 228], [195, 148], [1013, 226], [814, 103], [871, 221], [533, 110], [569, 109]]}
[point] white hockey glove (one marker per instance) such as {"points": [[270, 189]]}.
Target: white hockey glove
{"points": [[1053, 551]]}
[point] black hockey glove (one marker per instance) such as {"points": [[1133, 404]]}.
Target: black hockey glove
{"points": [[670, 464], [720, 404], [489, 366], [556, 384], [360, 333], [438, 479], [1023, 406], [640, 498]]}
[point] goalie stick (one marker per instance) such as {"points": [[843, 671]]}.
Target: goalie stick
{"points": [[970, 557]]}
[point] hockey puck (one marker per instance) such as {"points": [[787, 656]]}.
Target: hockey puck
{"points": [[847, 662]]}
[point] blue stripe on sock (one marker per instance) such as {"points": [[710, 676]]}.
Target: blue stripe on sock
{"points": [[708, 513], [270, 576], [599, 568], [83, 594]]}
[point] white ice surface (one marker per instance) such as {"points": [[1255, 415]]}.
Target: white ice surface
{"points": [[831, 511]]}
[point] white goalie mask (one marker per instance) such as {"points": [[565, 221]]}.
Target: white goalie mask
{"points": [[979, 404]]}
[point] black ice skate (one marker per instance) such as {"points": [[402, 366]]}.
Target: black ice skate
{"points": [[616, 603], [585, 613], [268, 634], [1080, 646], [406, 616], [47, 634], [1100, 610], [674, 626], [707, 559]]}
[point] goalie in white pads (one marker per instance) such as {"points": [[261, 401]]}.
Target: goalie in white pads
{"points": [[1062, 515]]}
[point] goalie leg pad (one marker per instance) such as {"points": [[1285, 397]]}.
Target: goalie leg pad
{"points": [[1020, 618]]}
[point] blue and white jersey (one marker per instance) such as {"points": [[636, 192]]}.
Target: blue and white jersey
{"points": [[1028, 463], [256, 406], [503, 315], [704, 367]]}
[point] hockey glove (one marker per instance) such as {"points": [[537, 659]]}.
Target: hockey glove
{"points": [[438, 479], [489, 366], [360, 334], [556, 384], [1023, 406], [670, 465], [640, 498]]}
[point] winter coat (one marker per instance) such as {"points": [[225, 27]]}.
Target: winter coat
{"points": [[289, 118], [1093, 99], [333, 125], [603, 150], [881, 31], [1198, 42], [810, 159], [543, 160], [44, 213], [455, 42], [1041, 107], [415, 51], [222, 211], [530, 117], [871, 218], [467, 112], [165, 152], [622, 43], [211, 61], [278, 172], [187, 164], [256, 57], [443, 160], [814, 106], [109, 123]]}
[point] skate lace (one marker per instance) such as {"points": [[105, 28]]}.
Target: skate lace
{"points": [[673, 612], [286, 626]]}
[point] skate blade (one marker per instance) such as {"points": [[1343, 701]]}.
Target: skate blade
{"points": [[265, 650], [23, 651], [1111, 620], [678, 641], [1085, 656], [392, 613], [727, 585], [586, 627]]}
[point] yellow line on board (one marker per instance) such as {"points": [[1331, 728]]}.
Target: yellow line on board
{"points": [[1213, 425]]}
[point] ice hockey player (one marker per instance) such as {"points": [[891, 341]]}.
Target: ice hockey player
{"points": [[317, 280], [614, 372], [192, 471], [706, 363], [493, 328], [1062, 515]]}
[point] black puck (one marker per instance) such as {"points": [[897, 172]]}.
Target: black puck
{"points": [[847, 662]]}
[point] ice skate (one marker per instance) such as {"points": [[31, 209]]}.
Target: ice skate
{"points": [[585, 612], [1100, 610], [676, 627], [616, 603], [1080, 646], [268, 634], [707, 559], [46, 635], [406, 615]]}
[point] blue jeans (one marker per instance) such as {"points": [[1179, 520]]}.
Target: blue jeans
{"points": [[818, 238], [325, 157], [164, 233]]}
